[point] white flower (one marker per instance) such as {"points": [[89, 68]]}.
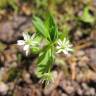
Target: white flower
{"points": [[64, 46], [28, 42]]}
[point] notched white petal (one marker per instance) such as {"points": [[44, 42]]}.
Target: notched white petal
{"points": [[70, 45], [70, 50], [59, 42], [20, 42], [26, 47], [26, 36], [65, 52], [59, 51], [58, 47]]}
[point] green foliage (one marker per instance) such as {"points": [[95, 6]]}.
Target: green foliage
{"points": [[41, 3], [46, 31], [49, 31], [5, 3], [51, 27], [40, 27], [44, 62], [86, 16]]}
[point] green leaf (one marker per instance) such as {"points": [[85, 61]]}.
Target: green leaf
{"points": [[44, 62], [51, 27], [40, 28], [38, 38], [87, 17], [35, 50]]}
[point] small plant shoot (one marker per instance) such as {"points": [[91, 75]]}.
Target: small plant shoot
{"points": [[86, 16], [47, 42]]}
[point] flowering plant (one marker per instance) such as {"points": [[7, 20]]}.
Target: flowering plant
{"points": [[54, 42]]}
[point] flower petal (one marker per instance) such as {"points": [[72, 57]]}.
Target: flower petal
{"points": [[70, 49], [65, 52], [26, 36], [59, 42], [20, 42], [70, 45], [64, 46], [64, 41], [26, 47], [59, 51], [32, 37], [58, 47], [27, 51]]}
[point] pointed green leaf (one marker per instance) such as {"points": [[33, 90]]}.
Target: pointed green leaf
{"points": [[40, 28], [51, 27], [44, 63]]}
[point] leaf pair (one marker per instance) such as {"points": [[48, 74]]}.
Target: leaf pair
{"points": [[47, 29]]}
